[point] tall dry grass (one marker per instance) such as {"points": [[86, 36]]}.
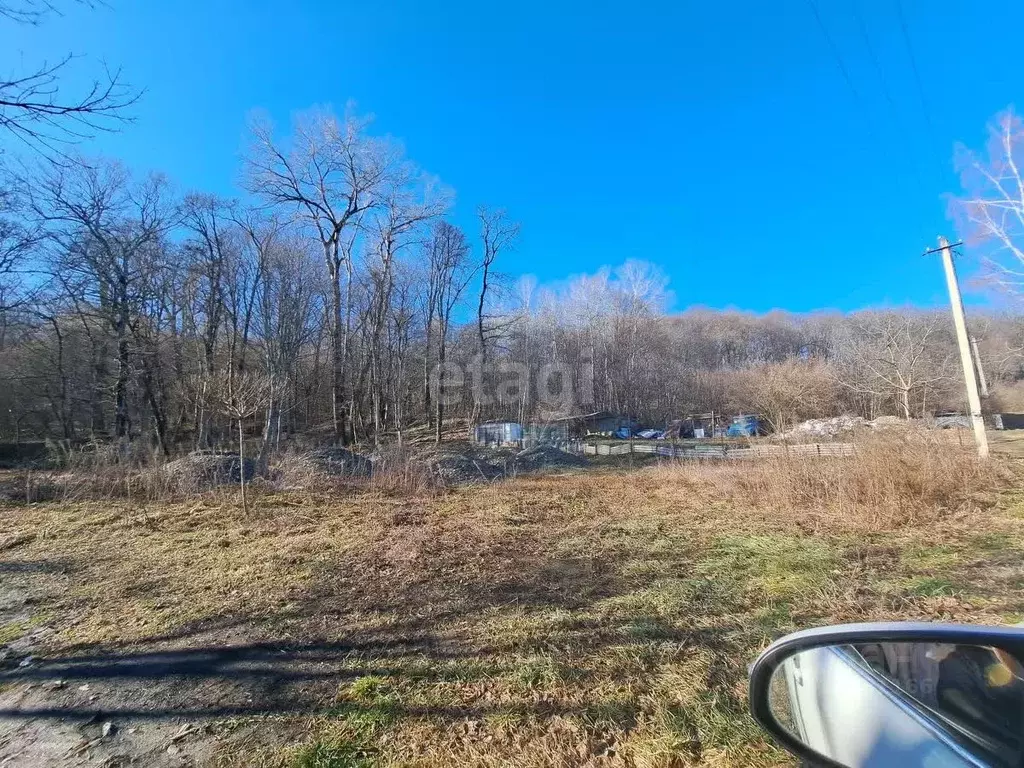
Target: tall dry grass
{"points": [[115, 481], [395, 472], [892, 480]]}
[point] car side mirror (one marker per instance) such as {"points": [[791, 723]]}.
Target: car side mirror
{"points": [[901, 695]]}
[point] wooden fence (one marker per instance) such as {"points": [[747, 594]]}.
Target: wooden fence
{"points": [[717, 450]]}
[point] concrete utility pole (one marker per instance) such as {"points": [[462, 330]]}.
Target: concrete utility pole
{"points": [[957, 305], [977, 362]]}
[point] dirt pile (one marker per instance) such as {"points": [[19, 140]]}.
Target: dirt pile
{"points": [[544, 457], [198, 472], [340, 462], [460, 468], [472, 465]]}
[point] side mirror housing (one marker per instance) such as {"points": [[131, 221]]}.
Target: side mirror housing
{"points": [[895, 694]]}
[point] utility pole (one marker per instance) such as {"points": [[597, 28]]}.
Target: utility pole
{"points": [[977, 362], [957, 305]]}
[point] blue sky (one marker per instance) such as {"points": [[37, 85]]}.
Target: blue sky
{"points": [[719, 141]]}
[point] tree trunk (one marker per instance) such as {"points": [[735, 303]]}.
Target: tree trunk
{"points": [[439, 402], [482, 338], [98, 425], [337, 345], [427, 413], [241, 466], [905, 402], [159, 417], [202, 420], [271, 433], [122, 422]]}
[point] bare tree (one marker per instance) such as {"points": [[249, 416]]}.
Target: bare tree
{"points": [[241, 397], [991, 208], [450, 273], [497, 234], [18, 238], [406, 206], [892, 354], [783, 393], [35, 111], [106, 229], [208, 253], [330, 175], [286, 306]]}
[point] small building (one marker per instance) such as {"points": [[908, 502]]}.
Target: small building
{"points": [[498, 433]]}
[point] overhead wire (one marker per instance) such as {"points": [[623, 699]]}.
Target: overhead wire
{"points": [[942, 160], [845, 72], [835, 50], [913, 66], [874, 58], [841, 65], [904, 136]]}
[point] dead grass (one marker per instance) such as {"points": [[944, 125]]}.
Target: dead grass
{"points": [[893, 479], [604, 618]]}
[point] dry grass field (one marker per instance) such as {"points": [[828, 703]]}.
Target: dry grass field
{"points": [[602, 617]]}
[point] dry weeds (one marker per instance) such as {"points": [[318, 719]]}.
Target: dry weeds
{"points": [[586, 619]]}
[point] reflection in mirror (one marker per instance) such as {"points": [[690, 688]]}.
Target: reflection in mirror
{"points": [[903, 704]]}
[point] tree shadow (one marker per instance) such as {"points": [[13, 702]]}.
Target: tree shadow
{"points": [[48, 566], [197, 671]]}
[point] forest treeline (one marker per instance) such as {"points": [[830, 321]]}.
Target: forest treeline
{"points": [[339, 301]]}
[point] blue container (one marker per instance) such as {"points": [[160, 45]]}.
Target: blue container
{"points": [[745, 426]]}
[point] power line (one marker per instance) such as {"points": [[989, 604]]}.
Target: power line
{"points": [[835, 51], [869, 124], [916, 71], [874, 58], [904, 136]]}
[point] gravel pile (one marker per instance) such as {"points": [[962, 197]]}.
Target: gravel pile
{"points": [[543, 457], [199, 472], [340, 462], [827, 428], [477, 467], [458, 468]]}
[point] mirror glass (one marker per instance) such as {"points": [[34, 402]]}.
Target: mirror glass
{"points": [[903, 704]]}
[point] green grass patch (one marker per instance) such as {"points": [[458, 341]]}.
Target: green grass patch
{"points": [[664, 599], [372, 689], [528, 629], [366, 721], [777, 568], [775, 619], [13, 630], [539, 671], [618, 712], [649, 629], [931, 586], [991, 542], [331, 755], [931, 558]]}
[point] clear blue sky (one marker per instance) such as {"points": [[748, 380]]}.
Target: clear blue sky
{"points": [[718, 140]]}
